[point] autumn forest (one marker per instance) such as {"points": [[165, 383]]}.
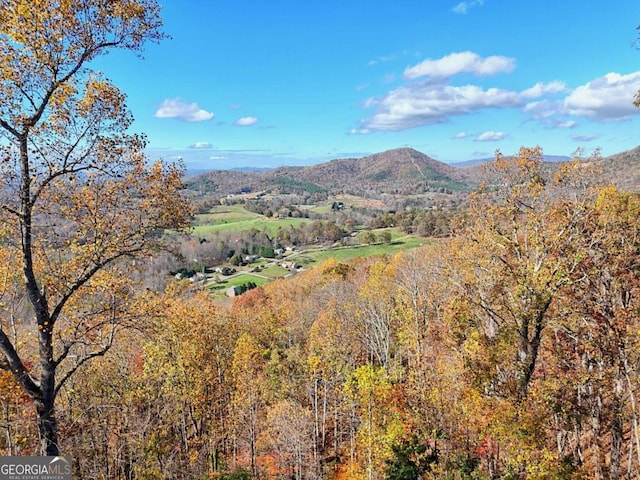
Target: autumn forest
{"points": [[505, 347]]}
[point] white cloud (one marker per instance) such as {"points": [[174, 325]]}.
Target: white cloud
{"points": [[381, 59], [460, 135], [541, 89], [201, 145], [608, 98], [245, 121], [463, 7], [584, 138], [415, 105], [461, 62], [566, 124], [359, 131], [176, 108], [548, 112], [433, 99], [490, 136], [542, 109]]}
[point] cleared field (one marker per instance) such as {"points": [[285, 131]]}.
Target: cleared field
{"points": [[321, 209], [269, 225], [225, 214], [353, 201], [219, 290], [312, 258], [273, 271], [234, 218]]}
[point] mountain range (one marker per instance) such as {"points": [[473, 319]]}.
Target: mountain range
{"points": [[401, 171]]}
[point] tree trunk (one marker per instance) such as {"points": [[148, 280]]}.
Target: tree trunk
{"points": [[530, 345], [617, 433], [596, 429], [45, 401], [44, 397], [47, 426]]}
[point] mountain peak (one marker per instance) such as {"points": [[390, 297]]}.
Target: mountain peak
{"points": [[399, 171]]}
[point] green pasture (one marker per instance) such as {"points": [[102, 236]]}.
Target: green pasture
{"points": [[237, 219], [399, 242], [273, 272], [321, 209], [225, 214], [219, 290]]}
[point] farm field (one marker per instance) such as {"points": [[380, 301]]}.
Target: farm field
{"points": [[225, 214], [313, 257], [272, 271], [219, 290], [235, 218]]}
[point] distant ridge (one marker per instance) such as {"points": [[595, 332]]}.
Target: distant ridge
{"points": [[400, 171], [480, 161], [623, 169], [200, 171]]}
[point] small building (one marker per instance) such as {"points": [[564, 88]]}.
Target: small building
{"points": [[225, 270], [290, 265], [233, 291]]}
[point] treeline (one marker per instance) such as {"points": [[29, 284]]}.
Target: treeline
{"points": [[509, 350], [424, 223]]}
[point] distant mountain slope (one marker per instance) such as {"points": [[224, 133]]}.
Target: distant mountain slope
{"points": [[479, 161], [399, 171], [402, 171], [623, 169], [386, 171]]}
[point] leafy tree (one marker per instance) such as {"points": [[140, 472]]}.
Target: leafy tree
{"points": [[385, 237], [601, 311], [367, 237], [266, 252], [375, 318], [519, 254], [373, 393], [236, 260], [78, 195], [248, 391], [189, 364], [410, 460], [512, 261], [289, 434]]}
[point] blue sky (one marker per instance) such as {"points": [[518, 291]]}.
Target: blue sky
{"points": [[263, 84]]}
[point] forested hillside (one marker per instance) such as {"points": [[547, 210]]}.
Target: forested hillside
{"points": [[509, 350], [501, 340]]}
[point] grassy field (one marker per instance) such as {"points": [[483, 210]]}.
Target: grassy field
{"points": [[273, 271], [312, 258], [219, 290], [225, 214], [263, 224], [229, 218], [321, 209]]}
